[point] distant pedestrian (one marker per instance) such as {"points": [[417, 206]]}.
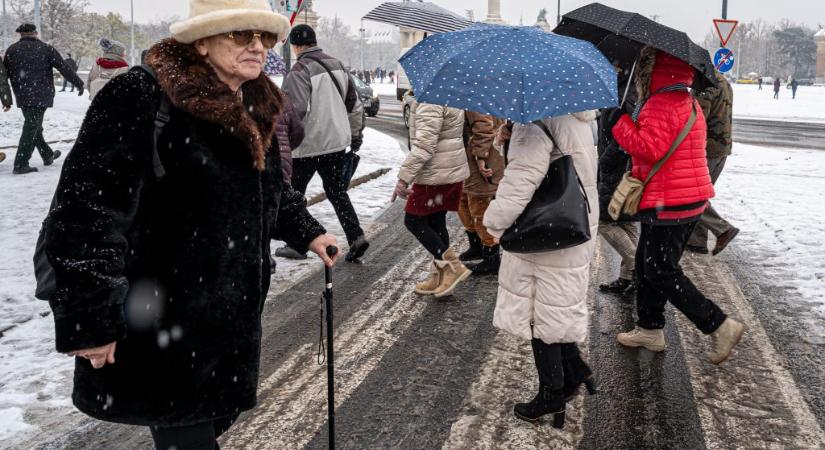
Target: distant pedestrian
{"points": [[672, 203], [431, 180], [111, 64], [542, 296], [30, 63], [160, 283], [717, 106], [5, 96], [776, 85], [622, 235], [760, 83], [326, 100], [486, 170], [72, 65], [794, 87]]}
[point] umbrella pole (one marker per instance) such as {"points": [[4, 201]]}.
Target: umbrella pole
{"points": [[331, 251], [629, 82]]}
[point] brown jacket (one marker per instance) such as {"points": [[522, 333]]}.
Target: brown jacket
{"points": [[479, 132]]}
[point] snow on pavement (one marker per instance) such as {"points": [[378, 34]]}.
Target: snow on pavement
{"points": [[751, 103], [35, 381], [60, 123]]}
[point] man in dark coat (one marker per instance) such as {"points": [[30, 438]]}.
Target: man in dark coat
{"points": [[72, 65], [776, 85], [717, 106], [173, 270], [30, 63], [5, 96]]}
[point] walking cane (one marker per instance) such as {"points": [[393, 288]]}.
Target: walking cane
{"points": [[331, 251]]}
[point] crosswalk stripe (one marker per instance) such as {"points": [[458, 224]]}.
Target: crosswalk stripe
{"points": [[293, 399]]}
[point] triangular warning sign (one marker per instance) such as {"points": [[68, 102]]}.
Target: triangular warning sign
{"points": [[725, 29]]}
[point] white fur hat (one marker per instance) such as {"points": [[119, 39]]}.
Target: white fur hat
{"points": [[213, 17]]}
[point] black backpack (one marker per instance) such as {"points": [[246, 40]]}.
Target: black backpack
{"points": [[43, 270]]}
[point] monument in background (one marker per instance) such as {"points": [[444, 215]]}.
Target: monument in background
{"points": [[820, 56], [494, 12]]}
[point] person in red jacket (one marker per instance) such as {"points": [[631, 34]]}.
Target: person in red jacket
{"points": [[671, 205]]}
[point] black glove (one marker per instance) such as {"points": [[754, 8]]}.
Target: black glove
{"points": [[356, 144], [80, 91]]}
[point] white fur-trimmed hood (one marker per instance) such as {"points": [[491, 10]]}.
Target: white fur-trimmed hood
{"points": [[212, 17]]}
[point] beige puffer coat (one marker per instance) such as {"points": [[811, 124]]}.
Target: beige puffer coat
{"points": [[437, 154], [546, 290]]}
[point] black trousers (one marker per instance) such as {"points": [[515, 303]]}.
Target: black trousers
{"points": [[548, 363], [431, 232], [201, 436], [32, 137], [660, 280], [67, 82], [331, 169]]}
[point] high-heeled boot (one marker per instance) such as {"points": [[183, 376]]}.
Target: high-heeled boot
{"points": [[547, 401], [576, 372]]}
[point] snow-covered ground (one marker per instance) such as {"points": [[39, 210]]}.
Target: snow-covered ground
{"points": [[809, 105], [384, 88], [35, 381]]}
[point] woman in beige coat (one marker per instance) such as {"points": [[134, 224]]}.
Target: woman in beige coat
{"points": [[543, 296], [431, 181]]}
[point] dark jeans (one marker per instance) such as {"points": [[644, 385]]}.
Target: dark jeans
{"points": [[548, 363], [331, 169], [201, 436], [32, 137], [660, 280], [65, 82], [431, 232]]}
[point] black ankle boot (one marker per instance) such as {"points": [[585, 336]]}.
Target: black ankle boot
{"points": [[475, 251], [618, 286], [547, 401], [576, 372], [490, 263]]}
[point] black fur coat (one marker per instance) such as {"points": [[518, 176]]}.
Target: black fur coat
{"points": [[176, 269]]}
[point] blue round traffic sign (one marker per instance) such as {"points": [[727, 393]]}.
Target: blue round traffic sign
{"points": [[723, 60]]}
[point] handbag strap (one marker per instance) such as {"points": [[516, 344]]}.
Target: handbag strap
{"points": [[679, 139], [329, 71]]}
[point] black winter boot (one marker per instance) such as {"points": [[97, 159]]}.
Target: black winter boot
{"points": [[357, 248], [576, 372], [490, 263], [474, 252], [618, 286], [547, 401]]}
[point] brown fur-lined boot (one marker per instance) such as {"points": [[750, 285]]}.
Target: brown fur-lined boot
{"points": [[430, 285], [454, 272]]}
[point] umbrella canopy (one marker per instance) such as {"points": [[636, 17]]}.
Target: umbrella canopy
{"points": [[620, 35], [274, 64], [422, 16], [517, 73]]}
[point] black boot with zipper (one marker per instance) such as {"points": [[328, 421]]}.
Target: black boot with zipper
{"points": [[547, 401], [474, 252], [491, 261]]}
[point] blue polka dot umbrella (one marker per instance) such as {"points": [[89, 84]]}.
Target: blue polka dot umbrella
{"points": [[517, 73]]}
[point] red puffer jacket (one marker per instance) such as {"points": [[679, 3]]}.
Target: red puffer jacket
{"points": [[684, 179]]}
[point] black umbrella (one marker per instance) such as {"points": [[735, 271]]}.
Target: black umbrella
{"points": [[424, 16], [621, 35]]}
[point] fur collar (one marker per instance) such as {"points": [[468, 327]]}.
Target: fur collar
{"points": [[193, 86]]}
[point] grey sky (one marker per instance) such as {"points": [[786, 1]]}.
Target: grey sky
{"points": [[693, 16]]}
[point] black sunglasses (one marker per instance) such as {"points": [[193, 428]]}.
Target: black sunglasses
{"points": [[244, 38]]}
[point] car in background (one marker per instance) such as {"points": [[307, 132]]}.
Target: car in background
{"points": [[408, 104], [402, 83], [369, 98]]}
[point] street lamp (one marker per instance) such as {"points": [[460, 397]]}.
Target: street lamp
{"points": [[558, 12], [5, 28], [37, 16], [132, 50]]}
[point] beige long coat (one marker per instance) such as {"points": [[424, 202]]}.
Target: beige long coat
{"points": [[544, 295]]}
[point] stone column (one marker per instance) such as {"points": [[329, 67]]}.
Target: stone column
{"points": [[820, 56], [494, 12]]}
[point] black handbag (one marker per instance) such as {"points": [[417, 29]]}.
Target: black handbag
{"points": [[557, 216]]}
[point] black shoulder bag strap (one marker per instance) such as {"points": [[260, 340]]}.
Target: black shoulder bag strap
{"points": [[161, 119], [546, 130], [329, 71]]}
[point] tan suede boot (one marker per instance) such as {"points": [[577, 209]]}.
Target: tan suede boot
{"points": [[653, 340], [724, 339], [430, 285], [454, 272]]}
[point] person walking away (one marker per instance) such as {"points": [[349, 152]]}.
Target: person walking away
{"points": [[776, 86], [431, 181], [111, 64], [327, 103], [486, 166], [760, 83], [542, 296], [623, 234], [161, 280], [717, 107], [672, 203], [5, 96], [70, 62], [29, 64], [794, 87]]}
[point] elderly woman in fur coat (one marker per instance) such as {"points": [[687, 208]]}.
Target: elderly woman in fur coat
{"points": [[542, 296], [161, 280]]}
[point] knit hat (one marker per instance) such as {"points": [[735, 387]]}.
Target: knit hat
{"points": [[26, 28], [112, 46], [213, 17], [302, 35]]}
